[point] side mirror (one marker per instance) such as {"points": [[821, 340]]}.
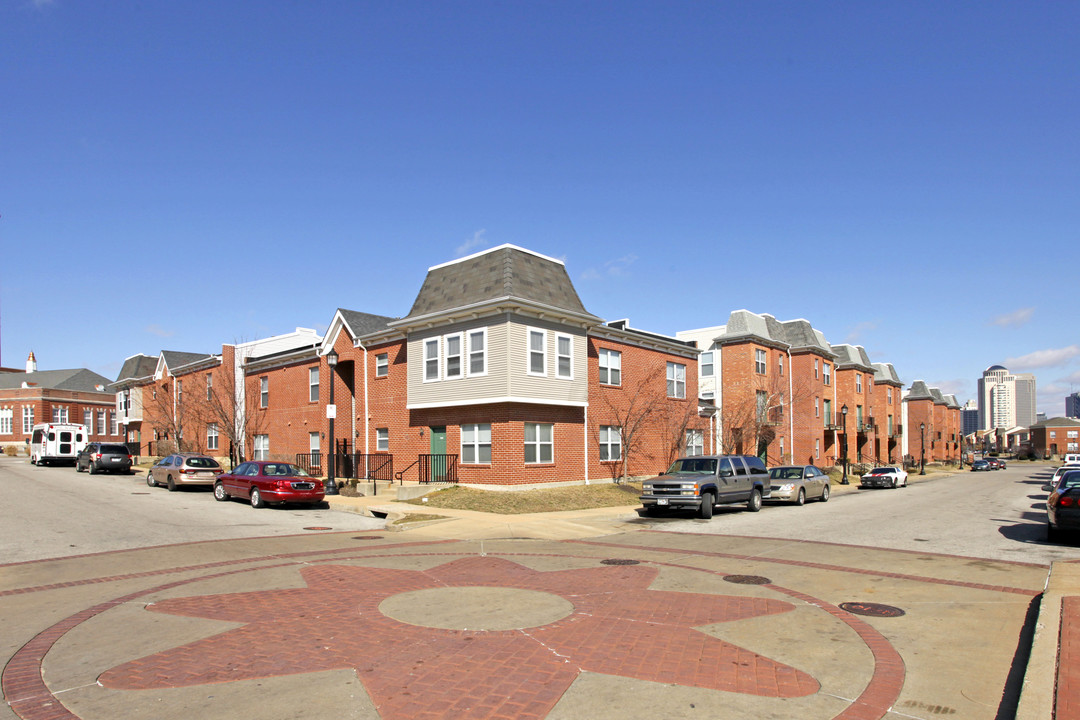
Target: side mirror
{"points": [[726, 473], [663, 472], [1048, 488]]}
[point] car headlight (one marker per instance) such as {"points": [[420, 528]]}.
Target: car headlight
{"points": [[786, 487], [647, 488]]}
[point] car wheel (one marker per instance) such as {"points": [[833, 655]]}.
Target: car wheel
{"points": [[170, 483], [257, 498], [150, 479], [825, 493], [754, 503], [708, 501], [90, 468], [78, 468], [895, 483], [801, 498], [219, 492]]}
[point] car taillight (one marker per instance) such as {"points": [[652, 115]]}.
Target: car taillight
{"points": [[1066, 501], [282, 484], [187, 471], [98, 456]]}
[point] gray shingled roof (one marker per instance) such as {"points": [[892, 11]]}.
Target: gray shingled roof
{"points": [[361, 323], [76, 380], [794, 335], [886, 373], [504, 272], [1057, 422], [919, 391], [174, 360], [852, 355], [137, 366], [800, 335]]}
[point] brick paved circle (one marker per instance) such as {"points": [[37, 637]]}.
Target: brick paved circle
{"points": [[600, 650]]}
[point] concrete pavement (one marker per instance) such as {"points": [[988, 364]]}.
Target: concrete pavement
{"points": [[584, 614]]}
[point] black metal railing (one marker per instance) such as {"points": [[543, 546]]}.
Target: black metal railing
{"points": [[311, 463], [432, 469], [373, 466]]}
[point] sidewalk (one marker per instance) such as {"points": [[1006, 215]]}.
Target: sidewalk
{"points": [[1052, 681]]}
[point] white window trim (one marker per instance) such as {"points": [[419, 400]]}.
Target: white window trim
{"points": [[673, 377], [264, 391], [483, 352], [212, 436], [460, 355], [538, 443], [610, 443], [314, 372], [609, 354], [558, 356], [529, 351], [382, 365], [710, 364], [476, 444], [382, 439], [431, 361]]}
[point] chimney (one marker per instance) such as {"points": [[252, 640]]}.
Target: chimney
{"points": [[31, 363]]}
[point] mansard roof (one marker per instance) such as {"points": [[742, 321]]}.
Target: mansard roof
{"points": [[137, 366], [919, 391], [503, 274], [853, 356], [74, 380], [885, 373], [792, 335], [175, 360]]}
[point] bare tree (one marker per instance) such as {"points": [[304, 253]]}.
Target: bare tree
{"points": [[167, 416], [234, 412], [749, 420]]}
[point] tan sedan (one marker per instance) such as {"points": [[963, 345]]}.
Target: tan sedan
{"points": [[798, 483], [183, 469]]}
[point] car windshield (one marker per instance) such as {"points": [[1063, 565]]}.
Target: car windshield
{"points": [[880, 470], [693, 465], [786, 473], [283, 470], [203, 462]]}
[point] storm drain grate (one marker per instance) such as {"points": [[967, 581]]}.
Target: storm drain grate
{"points": [[619, 561], [872, 609], [748, 579]]}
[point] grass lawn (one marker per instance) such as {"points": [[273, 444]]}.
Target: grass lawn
{"points": [[576, 497]]}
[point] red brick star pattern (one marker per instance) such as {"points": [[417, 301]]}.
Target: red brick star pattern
{"points": [[617, 627]]}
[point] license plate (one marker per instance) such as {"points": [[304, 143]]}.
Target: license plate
{"points": [[662, 501], [303, 486]]}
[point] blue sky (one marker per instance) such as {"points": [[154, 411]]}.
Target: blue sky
{"points": [[904, 175]]}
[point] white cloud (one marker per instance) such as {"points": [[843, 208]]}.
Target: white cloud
{"points": [[155, 329], [1014, 319], [475, 241], [619, 267], [1043, 358], [856, 332]]}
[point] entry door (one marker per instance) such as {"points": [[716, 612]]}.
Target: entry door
{"points": [[438, 469]]}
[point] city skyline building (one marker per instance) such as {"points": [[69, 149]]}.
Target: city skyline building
{"points": [[1006, 400]]}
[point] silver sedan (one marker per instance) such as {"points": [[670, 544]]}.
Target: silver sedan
{"points": [[798, 483]]}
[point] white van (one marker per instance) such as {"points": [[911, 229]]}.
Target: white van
{"points": [[1072, 458], [56, 442]]}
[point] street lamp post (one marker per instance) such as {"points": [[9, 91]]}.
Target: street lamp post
{"points": [[843, 426], [331, 413], [922, 448]]}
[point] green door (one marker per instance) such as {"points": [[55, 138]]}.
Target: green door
{"points": [[437, 468]]}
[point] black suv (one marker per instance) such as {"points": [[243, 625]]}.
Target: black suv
{"points": [[103, 457], [701, 482]]}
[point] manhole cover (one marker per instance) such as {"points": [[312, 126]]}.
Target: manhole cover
{"points": [[619, 561], [318, 527], [140, 493], [871, 609], [748, 579], [367, 537]]}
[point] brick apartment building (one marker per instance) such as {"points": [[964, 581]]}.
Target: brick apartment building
{"points": [[935, 424], [70, 396], [499, 364], [781, 390], [1053, 437]]}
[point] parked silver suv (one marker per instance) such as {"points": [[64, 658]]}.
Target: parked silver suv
{"points": [[103, 457], [705, 481]]}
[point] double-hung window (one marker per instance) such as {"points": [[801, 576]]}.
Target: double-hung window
{"points": [[676, 380], [209, 385], [315, 448], [695, 442], [610, 442], [476, 444], [564, 357], [431, 359], [212, 436], [705, 364], [313, 384], [610, 367], [539, 443], [382, 439], [28, 420], [858, 382], [6, 416], [262, 447], [382, 365], [114, 427], [264, 392], [478, 352], [537, 352], [454, 366], [760, 358], [828, 373]]}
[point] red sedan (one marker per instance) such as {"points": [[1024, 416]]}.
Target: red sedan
{"points": [[264, 481]]}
